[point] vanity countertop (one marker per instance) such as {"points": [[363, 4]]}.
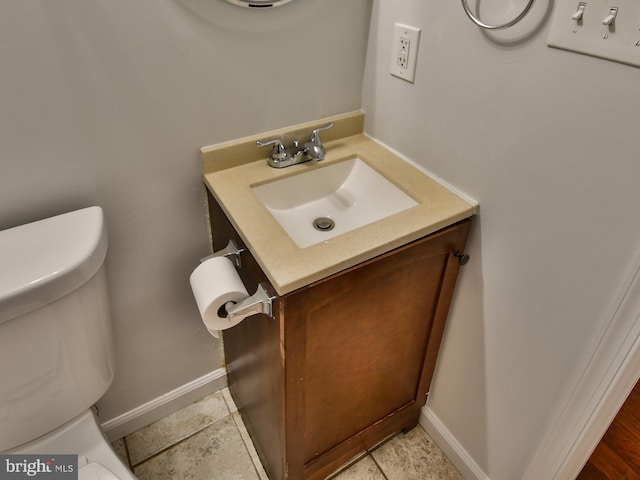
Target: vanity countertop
{"points": [[289, 267]]}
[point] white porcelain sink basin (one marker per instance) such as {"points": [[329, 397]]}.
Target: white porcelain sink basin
{"points": [[337, 198]]}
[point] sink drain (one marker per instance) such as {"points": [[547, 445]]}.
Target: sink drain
{"points": [[324, 224]]}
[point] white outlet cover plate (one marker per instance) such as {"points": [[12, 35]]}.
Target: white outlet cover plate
{"points": [[405, 68], [620, 42]]}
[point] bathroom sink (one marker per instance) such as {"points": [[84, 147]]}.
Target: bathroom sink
{"points": [[328, 201]]}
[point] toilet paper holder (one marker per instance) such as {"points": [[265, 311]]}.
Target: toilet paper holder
{"points": [[259, 302], [231, 251]]}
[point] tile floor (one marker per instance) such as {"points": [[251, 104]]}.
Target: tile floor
{"points": [[207, 440]]}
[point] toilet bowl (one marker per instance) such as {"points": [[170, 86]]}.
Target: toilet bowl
{"points": [[56, 345]]}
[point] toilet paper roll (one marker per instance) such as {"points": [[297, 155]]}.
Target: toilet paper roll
{"points": [[215, 282]]}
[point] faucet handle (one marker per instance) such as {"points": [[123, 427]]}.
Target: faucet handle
{"points": [[278, 152], [315, 137]]}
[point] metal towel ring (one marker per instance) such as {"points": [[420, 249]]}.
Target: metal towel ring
{"points": [[478, 22]]}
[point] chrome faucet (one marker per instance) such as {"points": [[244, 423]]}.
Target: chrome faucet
{"points": [[285, 157]]}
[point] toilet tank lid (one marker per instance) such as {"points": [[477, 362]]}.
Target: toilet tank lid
{"points": [[45, 260]]}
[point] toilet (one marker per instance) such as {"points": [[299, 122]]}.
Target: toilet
{"points": [[56, 345]]}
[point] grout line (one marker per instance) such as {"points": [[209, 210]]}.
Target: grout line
{"points": [[379, 467], [383, 441], [247, 449], [169, 447], [233, 407], [126, 451], [159, 452], [347, 465]]}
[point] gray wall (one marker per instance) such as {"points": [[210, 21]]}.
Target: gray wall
{"points": [[108, 103], [546, 141]]}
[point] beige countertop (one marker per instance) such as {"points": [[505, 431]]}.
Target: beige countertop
{"points": [[289, 267]]}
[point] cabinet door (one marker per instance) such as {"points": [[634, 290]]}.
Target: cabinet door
{"points": [[365, 343]]}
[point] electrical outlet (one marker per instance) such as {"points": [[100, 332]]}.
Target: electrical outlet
{"points": [[404, 52]]}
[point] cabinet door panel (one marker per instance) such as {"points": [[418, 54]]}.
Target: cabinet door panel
{"points": [[365, 335]]}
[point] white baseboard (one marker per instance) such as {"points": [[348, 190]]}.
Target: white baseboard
{"points": [[164, 405], [450, 446]]}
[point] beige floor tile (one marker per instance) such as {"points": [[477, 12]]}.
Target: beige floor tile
{"points": [[179, 425], [364, 468], [244, 434], [121, 450], [348, 464], [414, 456], [204, 441], [217, 452]]}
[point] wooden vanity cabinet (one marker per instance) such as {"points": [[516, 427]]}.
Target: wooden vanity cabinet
{"points": [[347, 360]]}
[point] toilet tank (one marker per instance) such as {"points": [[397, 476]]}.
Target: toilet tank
{"points": [[56, 345]]}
